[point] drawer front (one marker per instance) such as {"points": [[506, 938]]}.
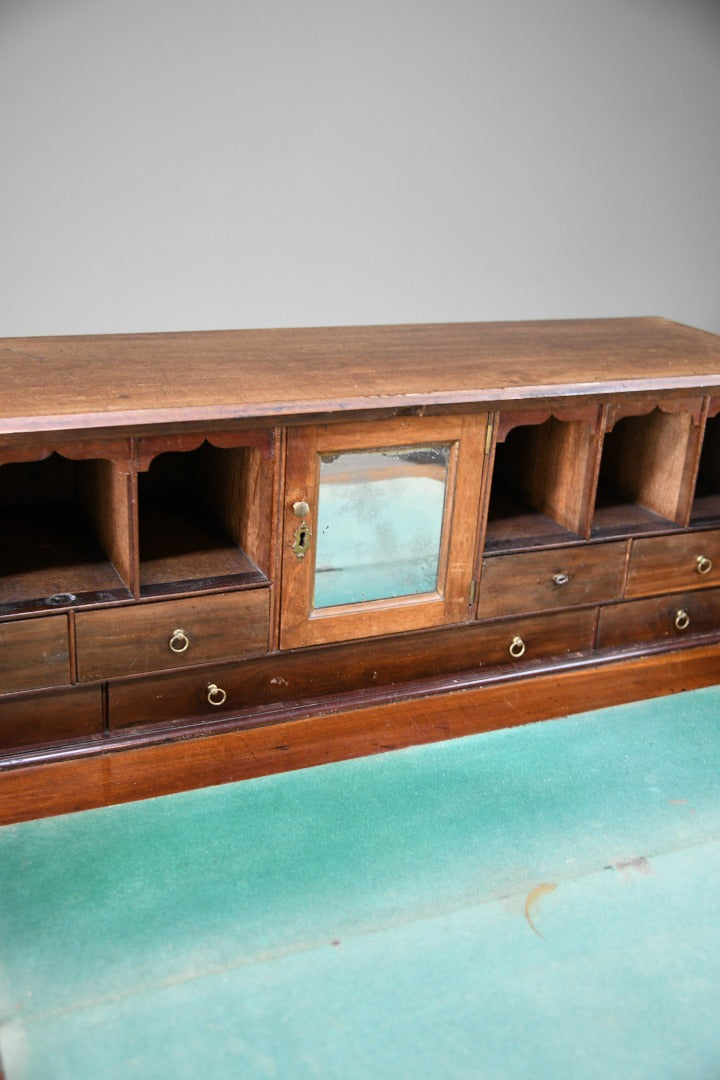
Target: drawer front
{"points": [[34, 653], [677, 616], [172, 633], [300, 675], [537, 637], [542, 580], [50, 716], [667, 563]]}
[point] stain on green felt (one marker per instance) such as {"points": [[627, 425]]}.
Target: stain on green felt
{"points": [[98, 907]]}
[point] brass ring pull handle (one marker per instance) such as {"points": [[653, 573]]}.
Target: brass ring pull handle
{"points": [[682, 620], [517, 648], [703, 564], [560, 579], [179, 641], [216, 695]]}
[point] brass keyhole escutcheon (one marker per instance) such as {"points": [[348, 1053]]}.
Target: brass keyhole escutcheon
{"points": [[703, 564], [301, 542], [682, 620]]}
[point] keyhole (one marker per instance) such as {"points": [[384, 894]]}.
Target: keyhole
{"points": [[301, 542]]}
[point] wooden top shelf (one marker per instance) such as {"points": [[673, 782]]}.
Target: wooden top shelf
{"points": [[113, 382]]}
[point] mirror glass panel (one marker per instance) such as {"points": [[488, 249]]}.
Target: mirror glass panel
{"points": [[379, 526]]}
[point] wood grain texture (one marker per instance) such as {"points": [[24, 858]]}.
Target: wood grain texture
{"points": [[106, 497], [351, 668], [706, 502], [49, 545], [124, 640], [104, 779], [42, 717], [650, 460], [64, 383], [34, 653], [552, 467], [658, 618], [301, 623], [671, 563], [543, 580]]}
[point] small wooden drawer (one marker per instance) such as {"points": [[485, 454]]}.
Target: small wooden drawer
{"points": [[542, 580], [34, 653], [678, 562], [55, 716], [210, 692], [536, 637], [171, 633], [203, 694], [677, 616]]}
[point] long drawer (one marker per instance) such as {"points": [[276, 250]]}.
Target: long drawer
{"points": [[292, 676], [34, 653], [660, 564], [171, 633], [677, 616], [50, 716], [542, 580]]}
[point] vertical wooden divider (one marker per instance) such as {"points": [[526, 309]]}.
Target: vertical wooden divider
{"points": [[277, 526], [105, 492], [133, 528], [652, 451], [486, 470]]}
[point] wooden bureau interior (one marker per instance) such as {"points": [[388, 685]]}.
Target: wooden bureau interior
{"points": [[212, 532]]}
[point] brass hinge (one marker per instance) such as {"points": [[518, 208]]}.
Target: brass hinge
{"points": [[471, 597], [488, 437]]}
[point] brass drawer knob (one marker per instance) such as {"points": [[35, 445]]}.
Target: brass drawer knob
{"points": [[179, 641], [517, 648], [216, 695], [703, 564], [682, 620], [301, 509]]}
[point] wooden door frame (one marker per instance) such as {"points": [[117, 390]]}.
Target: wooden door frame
{"points": [[303, 625]]}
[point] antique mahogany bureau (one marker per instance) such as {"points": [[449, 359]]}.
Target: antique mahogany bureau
{"points": [[224, 553]]}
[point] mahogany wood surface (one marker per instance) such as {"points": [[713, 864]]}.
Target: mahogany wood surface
{"points": [[141, 467], [122, 640], [554, 466], [42, 716], [666, 563], [650, 460], [104, 779], [302, 624], [107, 499], [356, 666], [676, 616], [543, 580], [60, 383], [34, 653]]}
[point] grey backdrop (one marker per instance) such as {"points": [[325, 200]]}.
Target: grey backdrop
{"points": [[178, 164]]}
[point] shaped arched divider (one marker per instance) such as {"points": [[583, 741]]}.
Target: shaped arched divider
{"points": [[543, 476], [205, 511], [648, 463]]}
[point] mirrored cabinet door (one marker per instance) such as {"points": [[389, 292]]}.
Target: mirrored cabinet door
{"points": [[380, 528]]}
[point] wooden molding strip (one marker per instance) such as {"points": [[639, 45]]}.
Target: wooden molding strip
{"points": [[65, 786]]}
